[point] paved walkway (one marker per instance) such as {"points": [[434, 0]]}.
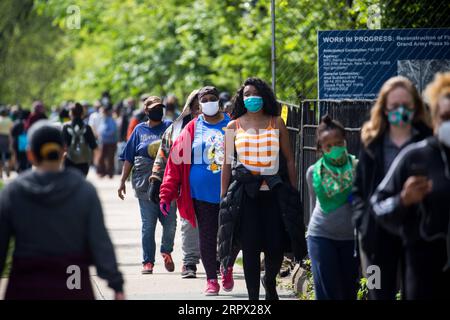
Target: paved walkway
{"points": [[123, 222]]}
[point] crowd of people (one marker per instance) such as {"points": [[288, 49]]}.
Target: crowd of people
{"points": [[225, 165], [95, 134]]}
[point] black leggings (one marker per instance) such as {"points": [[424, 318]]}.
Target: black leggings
{"points": [[261, 231], [208, 225]]}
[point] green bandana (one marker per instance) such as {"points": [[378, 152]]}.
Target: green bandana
{"points": [[333, 184]]}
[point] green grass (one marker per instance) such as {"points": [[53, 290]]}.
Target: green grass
{"points": [[8, 263]]}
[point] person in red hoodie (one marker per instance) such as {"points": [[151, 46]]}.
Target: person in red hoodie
{"points": [[192, 176]]}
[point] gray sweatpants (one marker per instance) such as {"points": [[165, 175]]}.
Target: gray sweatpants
{"points": [[189, 243]]}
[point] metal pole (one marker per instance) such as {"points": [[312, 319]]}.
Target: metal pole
{"points": [[272, 9]]}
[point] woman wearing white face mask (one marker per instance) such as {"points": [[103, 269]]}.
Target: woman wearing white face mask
{"points": [[197, 176], [412, 201]]}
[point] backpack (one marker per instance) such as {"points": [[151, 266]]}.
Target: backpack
{"points": [[22, 141], [78, 151]]}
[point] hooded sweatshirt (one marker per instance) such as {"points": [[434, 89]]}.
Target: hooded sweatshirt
{"points": [[57, 220]]}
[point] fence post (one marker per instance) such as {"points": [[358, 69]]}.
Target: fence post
{"points": [[301, 169]]}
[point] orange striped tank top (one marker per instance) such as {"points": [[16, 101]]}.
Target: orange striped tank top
{"points": [[259, 150]]}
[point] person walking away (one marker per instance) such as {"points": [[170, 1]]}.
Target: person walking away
{"points": [[330, 232], [108, 137], [260, 206], [20, 141], [79, 140], [196, 157], [397, 119], [56, 220], [412, 202], [189, 234], [136, 156], [6, 125]]}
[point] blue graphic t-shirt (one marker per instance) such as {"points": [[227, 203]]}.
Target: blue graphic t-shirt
{"points": [[143, 135], [207, 158]]}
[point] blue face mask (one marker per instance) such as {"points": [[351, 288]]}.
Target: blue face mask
{"points": [[253, 103]]}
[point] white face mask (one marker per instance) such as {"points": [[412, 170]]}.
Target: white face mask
{"points": [[444, 133], [210, 108]]}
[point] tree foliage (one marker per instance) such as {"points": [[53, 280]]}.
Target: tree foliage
{"points": [[172, 46], [32, 55]]}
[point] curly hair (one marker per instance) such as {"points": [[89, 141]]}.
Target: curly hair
{"points": [[440, 87], [270, 106]]}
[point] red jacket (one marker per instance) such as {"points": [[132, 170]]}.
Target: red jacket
{"points": [[175, 183]]}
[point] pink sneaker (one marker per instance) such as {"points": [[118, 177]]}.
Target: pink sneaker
{"points": [[212, 287], [227, 280]]}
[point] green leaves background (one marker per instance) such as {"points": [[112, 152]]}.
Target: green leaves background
{"points": [[170, 46]]}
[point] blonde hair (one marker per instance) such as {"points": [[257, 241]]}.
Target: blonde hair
{"points": [[435, 90], [378, 122]]}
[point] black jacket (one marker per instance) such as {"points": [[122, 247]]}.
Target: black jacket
{"points": [[56, 215], [369, 173], [244, 184], [430, 220]]}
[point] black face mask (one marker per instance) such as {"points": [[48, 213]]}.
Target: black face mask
{"points": [[155, 114]]}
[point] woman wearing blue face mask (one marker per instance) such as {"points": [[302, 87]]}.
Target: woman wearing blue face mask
{"points": [[412, 202], [330, 231], [259, 197], [397, 119]]}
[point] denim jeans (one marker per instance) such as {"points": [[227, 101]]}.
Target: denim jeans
{"points": [[335, 269], [189, 243], [150, 213]]}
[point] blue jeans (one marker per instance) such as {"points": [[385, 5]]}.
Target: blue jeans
{"points": [[150, 213], [335, 270]]}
